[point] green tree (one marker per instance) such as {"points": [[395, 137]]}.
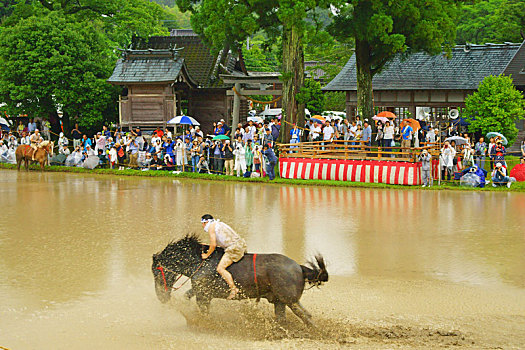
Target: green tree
{"points": [[494, 21], [312, 96], [383, 28], [6, 7], [65, 64], [48, 63], [495, 106], [259, 60], [335, 101], [118, 20], [228, 23], [181, 19]]}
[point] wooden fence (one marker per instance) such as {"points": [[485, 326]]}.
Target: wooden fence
{"points": [[353, 150]]}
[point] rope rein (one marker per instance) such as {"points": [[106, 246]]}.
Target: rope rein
{"points": [[166, 288]]}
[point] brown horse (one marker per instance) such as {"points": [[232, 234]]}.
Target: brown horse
{"points": [[25, 153]]}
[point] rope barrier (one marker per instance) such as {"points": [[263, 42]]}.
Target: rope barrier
{"points": [[257, 101], [287, 122]]}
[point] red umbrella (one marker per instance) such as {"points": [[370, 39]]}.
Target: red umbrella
{"points": [[518, 172], [412, 122], [387, 114]]}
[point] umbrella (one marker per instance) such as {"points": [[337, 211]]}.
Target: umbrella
{"points": [[255, 119], [184, 119], [4, 124], [381, 119], [497, 134], [414, 124], [458, 139], [220, 137], [387, 114], [518, 172], [318, 119]]}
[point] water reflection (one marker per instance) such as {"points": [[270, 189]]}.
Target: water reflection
{"points": [[65, 235]]}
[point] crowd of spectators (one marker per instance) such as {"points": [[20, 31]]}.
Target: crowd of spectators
{"points": [[191, 151], [251, 153]]}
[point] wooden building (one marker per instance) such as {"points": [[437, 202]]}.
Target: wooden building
{"points": [[163, 77], [436, 82]]}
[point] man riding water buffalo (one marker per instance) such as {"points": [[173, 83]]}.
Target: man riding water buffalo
{"points": [[222, 235]]}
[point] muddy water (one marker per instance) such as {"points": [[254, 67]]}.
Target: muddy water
{"points": [[409, 269]]}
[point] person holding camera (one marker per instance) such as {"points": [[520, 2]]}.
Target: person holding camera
{"points": [[480, 150], [227, 150], [133, 152], [202, 166], [195, 155], [156, 163], [499, 176], [426, 170], [216, 148], [271, 161], [448, 153]]}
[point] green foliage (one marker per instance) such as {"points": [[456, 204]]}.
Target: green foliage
{"points": [[6, 7], [495, 106], [312, 96], [388, 28], [117, 19], [259, 60], [321, 46], [226, 23], [335, 101], [383, 28], [48, 63], [133, 17], [495, 21], [169, 3], [58, 54], [177, 19]]}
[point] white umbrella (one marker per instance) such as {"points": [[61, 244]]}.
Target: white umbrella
{"points": [[458, 139], [184, 119], [255, 119], [3, 121]]}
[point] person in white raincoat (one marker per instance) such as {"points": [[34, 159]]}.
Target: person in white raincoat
{"points": [[180, 155], [113, 159], [448, 154], [62, 140], [240, 159]]}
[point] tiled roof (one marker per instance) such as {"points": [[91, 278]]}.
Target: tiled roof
{"points": [[147, 67], [464, 70], [199, 61]]}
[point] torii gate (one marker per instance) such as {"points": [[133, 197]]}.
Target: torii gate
{"points": [[250, 82]]}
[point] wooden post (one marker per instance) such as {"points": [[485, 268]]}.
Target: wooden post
{"points": [[236, 108]]}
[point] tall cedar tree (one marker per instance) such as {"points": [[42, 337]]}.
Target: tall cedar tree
{"points": [[226, 23], [384, 28]]}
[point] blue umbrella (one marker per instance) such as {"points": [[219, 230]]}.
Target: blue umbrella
{"points": [[3, 124], [496, 134], [184, 119]]}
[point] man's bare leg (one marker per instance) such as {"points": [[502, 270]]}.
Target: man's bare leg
{"points": [[221, 269]]}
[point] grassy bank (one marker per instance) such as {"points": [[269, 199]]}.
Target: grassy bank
{"points": [[516, 187]]}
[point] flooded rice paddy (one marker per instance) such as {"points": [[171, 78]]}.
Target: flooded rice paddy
{"points": [[409, 268]]}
